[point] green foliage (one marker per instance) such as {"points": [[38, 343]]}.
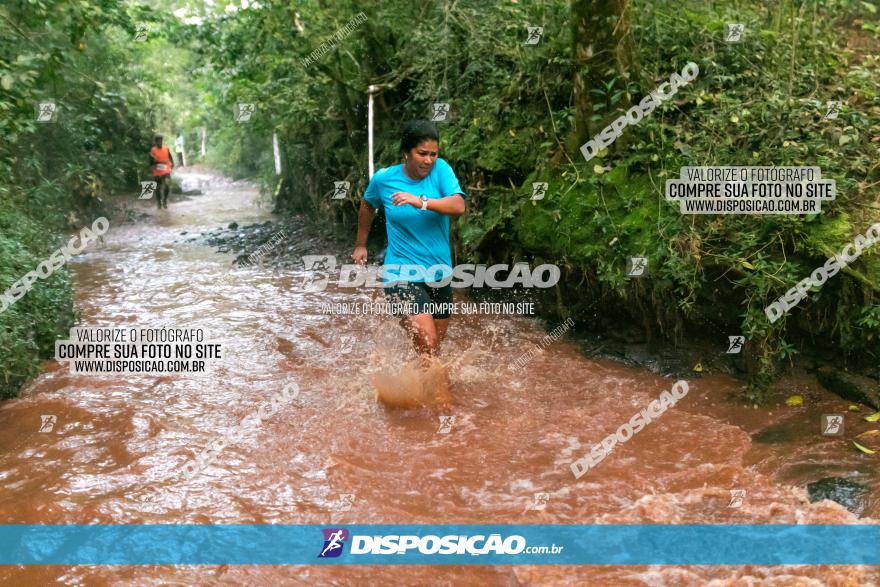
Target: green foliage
{"points": [[28, 327], [53, 176]]}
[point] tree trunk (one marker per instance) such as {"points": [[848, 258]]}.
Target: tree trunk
{"points": [[602, 50]]}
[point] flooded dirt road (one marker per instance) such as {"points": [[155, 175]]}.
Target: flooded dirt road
{"points": [[336, 456]]}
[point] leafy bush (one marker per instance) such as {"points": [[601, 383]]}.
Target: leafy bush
{"points": [[54, 176], [28, 327]]}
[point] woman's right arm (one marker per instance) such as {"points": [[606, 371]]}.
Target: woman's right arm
{"points": [[365, 220]]}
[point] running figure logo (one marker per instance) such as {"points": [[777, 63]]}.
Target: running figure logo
{"points": [[315, 281], [636, 266], [446, 423], [346, 500], [47, 423], [534, 36], [539, 190], [340, 190], [735, 32], [735, 344], [833, 109], [541, 500], [244, 111], [441, 111], [346, 344], [737, 497], [540, 504], [334, 540], [832, 424], [140, 34], [148, 188], [47, 112]]}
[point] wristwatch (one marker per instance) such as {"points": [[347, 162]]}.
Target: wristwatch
{"points": [[424, 200]]}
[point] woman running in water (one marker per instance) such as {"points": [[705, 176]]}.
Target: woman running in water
{"points": [[419, 197]]}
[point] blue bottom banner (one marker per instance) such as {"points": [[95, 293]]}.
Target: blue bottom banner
{"points": [[420, 544]]}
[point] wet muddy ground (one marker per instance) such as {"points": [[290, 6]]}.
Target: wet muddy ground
{"points": [[336, 456]]}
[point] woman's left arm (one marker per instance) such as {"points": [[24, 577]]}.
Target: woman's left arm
{"points": [[450, 205]]}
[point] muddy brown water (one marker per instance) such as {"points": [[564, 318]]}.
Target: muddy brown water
{"points": [[112, 455]]}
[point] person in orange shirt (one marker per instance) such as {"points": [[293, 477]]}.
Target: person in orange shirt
{"points": [[162, 163]]}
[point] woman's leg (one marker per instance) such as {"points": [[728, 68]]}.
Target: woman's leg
{"points": [[426, 331], [441, 297], [441, 324], [423, 332], [426, 335]]}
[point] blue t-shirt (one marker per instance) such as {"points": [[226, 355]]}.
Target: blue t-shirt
{"points": [[415, 237]]}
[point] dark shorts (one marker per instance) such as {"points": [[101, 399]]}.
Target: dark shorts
{"points": [[163, 184], [426, 299]]}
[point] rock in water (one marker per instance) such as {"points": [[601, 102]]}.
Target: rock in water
{"points": [[855, 388], [851, 495], [778, 433]]}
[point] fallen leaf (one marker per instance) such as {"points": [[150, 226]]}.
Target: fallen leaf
{"points": [[868, 433], [746, 264], [795, 400], [875, 417], [864, 449], [598, 169], [853, 408], [698, 368]]}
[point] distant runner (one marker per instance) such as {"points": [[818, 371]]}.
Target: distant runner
{"points": [[178, 148], [419, 197], [162, 164]]}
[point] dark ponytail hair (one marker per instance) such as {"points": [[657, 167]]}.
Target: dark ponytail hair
{"points": [[417, 131]]}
